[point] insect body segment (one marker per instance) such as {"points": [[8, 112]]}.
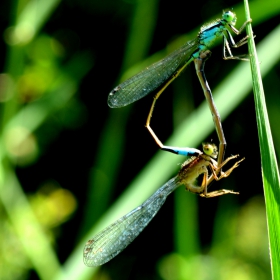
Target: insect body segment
{"points": [[165, 71], [191, 169], [116, 237]]}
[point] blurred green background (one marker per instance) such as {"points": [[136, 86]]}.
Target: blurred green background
{"points": [[70, 165]]}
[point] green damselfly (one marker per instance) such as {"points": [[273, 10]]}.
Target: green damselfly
{"points": [[162, 73]]}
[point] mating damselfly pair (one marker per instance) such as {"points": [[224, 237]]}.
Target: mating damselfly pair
{"points": [[117, 236]]}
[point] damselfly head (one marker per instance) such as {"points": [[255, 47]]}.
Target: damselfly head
{"points": [[210, 149], [229, 17]]}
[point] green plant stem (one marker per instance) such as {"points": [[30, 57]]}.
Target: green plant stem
{"points": [[270, 173]]}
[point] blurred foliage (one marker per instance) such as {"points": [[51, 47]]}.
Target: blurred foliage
{"points": [[66, 157], [246, 256]]}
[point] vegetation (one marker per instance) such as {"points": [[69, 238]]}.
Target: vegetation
{"points": [[70, 165]]}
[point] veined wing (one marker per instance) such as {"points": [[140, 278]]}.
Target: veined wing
{"points": [[150, 78], [117, 236]]}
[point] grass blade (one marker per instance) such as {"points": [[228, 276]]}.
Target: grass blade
{"points": [[270, 173]]}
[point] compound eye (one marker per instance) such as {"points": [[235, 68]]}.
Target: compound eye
{"points": [[229, 16], [210, 150]]}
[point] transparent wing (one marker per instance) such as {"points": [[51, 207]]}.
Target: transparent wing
{"points": [[117, 236], [150, 78]]}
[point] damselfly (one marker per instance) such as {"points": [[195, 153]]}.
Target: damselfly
{"points": [[116, 237], [162, 73]]}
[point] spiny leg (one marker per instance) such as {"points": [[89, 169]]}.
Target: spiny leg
{"points": [[218, 193], [202, 189], [242, 42], [236, 31], [199, 66], [230, 43], [226, 46], [225, 174]]}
